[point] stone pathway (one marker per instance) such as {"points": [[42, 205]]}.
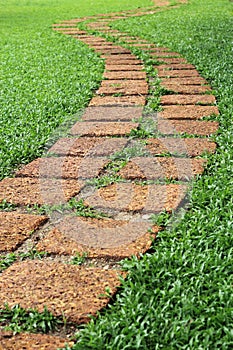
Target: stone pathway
{"points": [[108, 169]]}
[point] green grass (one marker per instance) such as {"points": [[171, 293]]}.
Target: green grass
{"points": [[46, 78], [180, 295]]}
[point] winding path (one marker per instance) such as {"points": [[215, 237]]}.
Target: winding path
{"points": [[141, 177]]}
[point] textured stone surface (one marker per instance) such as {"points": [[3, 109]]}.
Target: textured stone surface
{"points": [[125, 87], [26, 341], [169, 60], [122, 61], [161, 54], [124, 67], [191, 147], [184, 81], [174, 66], [24, 191], [178, 73], [188, 112], [67, 290], [103, 129], [57, 242], [118, 101], [112, 113], [88, 146], [187, 89], [187, 99], [132, 197], [194, 127], [125, 75], [146, 168], [64, 167], [16, 228]]}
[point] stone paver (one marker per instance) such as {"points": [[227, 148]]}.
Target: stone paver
{"points": [[28, 191], [184, 81], [187, 99], [103, 128], [191, 147], [68, 290], [88, 146], [181, 73], [124, 87], [132, 197], [124, 67], [118, 100], [146, 168], [64, 167], [27, 341], [112, 114], [193, 127], [188, 112], [134, 75], [106, 238], [15, 228]]}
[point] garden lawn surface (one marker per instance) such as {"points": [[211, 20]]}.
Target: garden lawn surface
{"points": [[179, 294]]}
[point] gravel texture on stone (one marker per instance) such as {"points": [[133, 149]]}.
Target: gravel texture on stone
{"points": [[124, 87], [112, 113], [181, 73], [146, 168], [133, 197], [118, 100], [192, 127], [174, 66], [122, 61], [187, 89], [191, 147], [99, 238], [172, 60], [133, 75], [189, 99], [103, 128], [124, 67], [29, 191], [184, 81], [188, 112], [64, 167], [89, 146], [26, 341], [66, 290], [15, 228]]}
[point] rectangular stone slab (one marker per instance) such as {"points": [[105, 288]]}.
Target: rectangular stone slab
{"points": [[66, 290], [15, 228], [103, 128], [112, 113]]}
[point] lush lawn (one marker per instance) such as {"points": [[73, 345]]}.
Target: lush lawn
{"points": [[46, 78], [180, 296]]}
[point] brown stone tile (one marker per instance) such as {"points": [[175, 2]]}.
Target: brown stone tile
{"points": [[147, 168], [191, 147], [125, 87], [193, 127], [66, 290], [188, 112], [99, 238], [172, 60], [134, 75], [112, 113], [122, 61], [124, 67], [26, 341], [174, 66], [103, 128], [120, 56], [182, 73], [27, 191], [186, 89], [184, 81], [187, 99], [89, 146], [161, 54], [64, 167], [16, 228], [130, 100], [100, 47], [132, 197], [113, 51]]}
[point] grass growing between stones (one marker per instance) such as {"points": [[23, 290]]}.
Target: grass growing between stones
{"points": [[46, 78], [180, 295]]}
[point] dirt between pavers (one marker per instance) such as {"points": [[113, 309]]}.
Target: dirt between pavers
{"points": [[67, 290], [27, 341]]}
